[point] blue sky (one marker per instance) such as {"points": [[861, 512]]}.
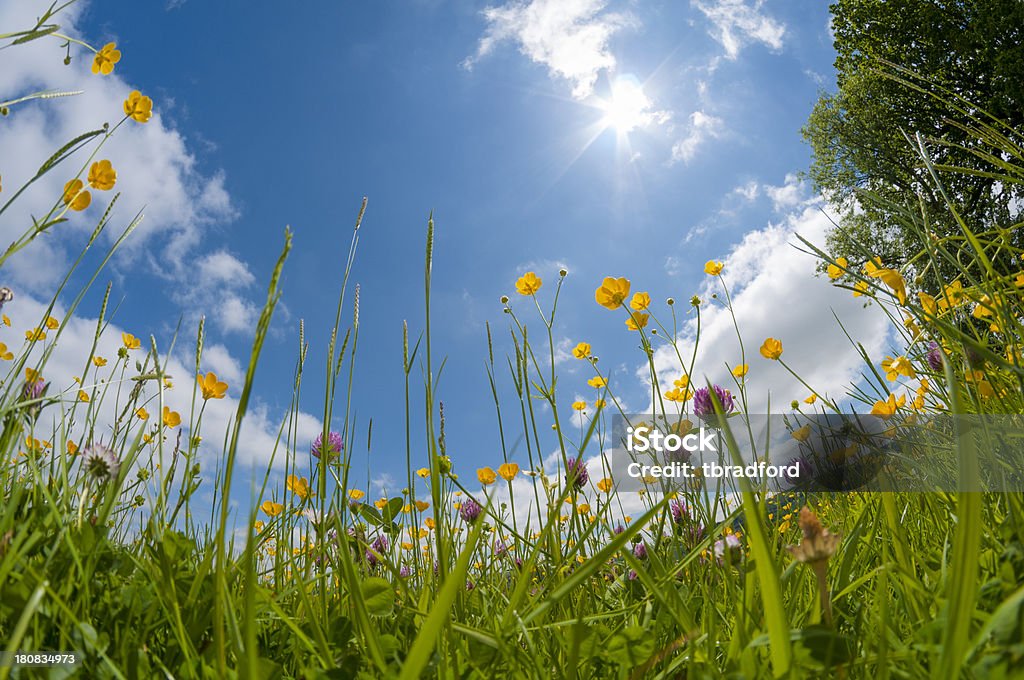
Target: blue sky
{"points": [[489, 115]]}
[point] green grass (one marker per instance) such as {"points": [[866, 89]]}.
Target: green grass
{"points": [[123, 570]]}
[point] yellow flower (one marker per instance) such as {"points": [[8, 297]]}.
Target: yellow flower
{"points": [[258, 525], [508, 471], [171, 418], [682, 383], [35, 334], [423, 473], [579, 405], [583, 508], [712, 268], [802, 434], [771, 349], [407, 546], [380, 503], [271, 508], [640, 301], [99, 361], [142, 413], [581, 351], [422, 505], [740, 370], [836, 270], [928, 303], [605, 485], [528, 284], [486, 475], [52, 323], [636, 321], [102, 175], [678, 395], [130, 341], [83, 396], [211, 387], [103, 62], [599, 404], [32, 375], [612, 292], [76, 196], [886, 409], [890, 277], [138, 107], [6, 320], [168, 385], [811, 399], [597, 382], [298, 486], [356, 494], [896, 367], [860, 288], [72, 448], [429, 523], [5, 354]]}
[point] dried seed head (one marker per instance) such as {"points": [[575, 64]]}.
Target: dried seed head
{"points": [[818, 543]]}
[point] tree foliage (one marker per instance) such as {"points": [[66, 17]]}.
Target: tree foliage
{"points": [[967, 61]]}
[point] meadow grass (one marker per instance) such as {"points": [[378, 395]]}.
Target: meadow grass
{"points": [[105, 550]]}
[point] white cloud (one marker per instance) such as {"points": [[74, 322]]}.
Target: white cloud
{"points": [[738, 22], [747, 192], [775, 293], [703, 127], [569, 37], [156, 171], [786, 197], [216, 358]]}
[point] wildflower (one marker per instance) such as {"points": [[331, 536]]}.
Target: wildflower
{"points": [[727, 549], [703, 406], [508, 471], [103, 62], [211, 387], [612, 292], [802, 434], [816, 546], [678, 395], [470, 511], [528, 284], [712, 268], [35, 387], [605, 485], [429, 523], [679, 511], [422, 505], [886, 409], [5, 354], [576, 472], [423, 473], [380, 503], [35, 334], [682, 383], [102, 175], [99, 361], [934, 356], [581, 351], [740, 370], [811, 399], [836, 270], [771, 349], [356, 494], [860, 288], [599, 404], [640, 551], [597, 382], [890, 277], [298, 486], [258, 525], [583, 508], [138, 107], [636, 321], [83, 396], [376, 550], [130, 341], [72, 448], [485, 475], [640, 301], [52, 323], [579, 405], [171, 418], [76, 196], [896, 367], [141, 413], [334, 445], [101, 462]]}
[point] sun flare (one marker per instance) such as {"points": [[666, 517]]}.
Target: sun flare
{"points": [[627, 107]]}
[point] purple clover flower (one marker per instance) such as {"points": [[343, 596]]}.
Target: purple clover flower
{"points": [[703, 406], [640, 551], [470, 510], [405, 571], [334, 445], [934, 356], [576, 472], [680, 513], [377, 550]]}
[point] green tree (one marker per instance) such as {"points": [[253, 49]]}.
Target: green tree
{"points": [[960, 51]]}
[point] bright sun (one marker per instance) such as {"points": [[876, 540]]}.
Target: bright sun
{"points": [[627, 108]]}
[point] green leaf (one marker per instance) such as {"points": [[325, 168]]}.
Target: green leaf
{"points": [[379, 596]]}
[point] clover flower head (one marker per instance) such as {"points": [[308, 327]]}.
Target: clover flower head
{"points": [[470, 510], [334, 445], [101, 462], [704, 406], [934, 356], [680, 512], [576, 472], [640, 551], [727, 547]]}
